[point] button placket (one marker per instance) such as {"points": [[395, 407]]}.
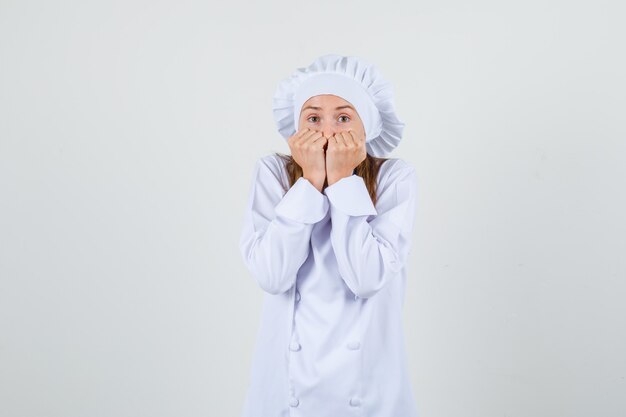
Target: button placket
{"points": [[294, 346], [353, 345], [355, 401]]}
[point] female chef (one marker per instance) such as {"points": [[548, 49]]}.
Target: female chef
{"points": [[326, 236]]}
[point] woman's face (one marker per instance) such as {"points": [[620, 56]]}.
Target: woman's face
{"points": [[330, 114]]}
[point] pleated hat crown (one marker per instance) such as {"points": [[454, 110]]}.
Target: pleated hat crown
{"points": [[351, 78]]}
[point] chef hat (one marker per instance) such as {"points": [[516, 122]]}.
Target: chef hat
{"points": [[352, 79]]}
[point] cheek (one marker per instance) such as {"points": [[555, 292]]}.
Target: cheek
{"points": [[303, 123], [358, 127]]}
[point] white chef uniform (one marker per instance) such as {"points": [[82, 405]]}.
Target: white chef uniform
{"points": [[332, 265]]}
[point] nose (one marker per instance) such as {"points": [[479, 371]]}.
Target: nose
{"points": [[329, 130]]}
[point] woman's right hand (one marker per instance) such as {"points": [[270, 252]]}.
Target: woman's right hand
{"points": [[308, 150]]}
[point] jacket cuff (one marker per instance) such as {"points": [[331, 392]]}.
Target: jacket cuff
{"points": [[349, 195], [303, 203]]}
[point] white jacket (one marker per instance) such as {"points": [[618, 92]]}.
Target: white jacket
{"points": [[330, 342]]}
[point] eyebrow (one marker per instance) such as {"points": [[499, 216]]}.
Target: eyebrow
{"points": [[336, 108]]}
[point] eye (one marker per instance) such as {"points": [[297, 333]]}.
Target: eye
{"points": [[309, 119], [348, 117]]}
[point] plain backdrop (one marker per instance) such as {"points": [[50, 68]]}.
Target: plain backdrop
{"points": [[128, 133]]}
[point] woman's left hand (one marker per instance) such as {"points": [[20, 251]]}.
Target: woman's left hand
{"points": [[345, 151]]}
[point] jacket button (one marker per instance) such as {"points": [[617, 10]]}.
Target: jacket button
{"points": [[356, 297], [297, 295], [294, 402], [294, 346], [354, 345], [355, 401]]}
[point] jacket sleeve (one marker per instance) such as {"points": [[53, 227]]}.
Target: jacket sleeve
{"points": [[369, 254], [277, 226]]}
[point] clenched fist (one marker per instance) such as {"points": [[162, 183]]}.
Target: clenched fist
{"points": [[308, 150], [346, 150]]}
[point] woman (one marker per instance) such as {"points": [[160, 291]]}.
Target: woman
{"points": [[326, 236]]}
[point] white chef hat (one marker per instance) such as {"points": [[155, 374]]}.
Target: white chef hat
{"points": [[352, 79]]}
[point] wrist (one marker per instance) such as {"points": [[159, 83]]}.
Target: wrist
{"points": [[316, 180], [334, 178]]}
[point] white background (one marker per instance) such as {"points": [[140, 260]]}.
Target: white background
{"points": [[128, 133]]}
